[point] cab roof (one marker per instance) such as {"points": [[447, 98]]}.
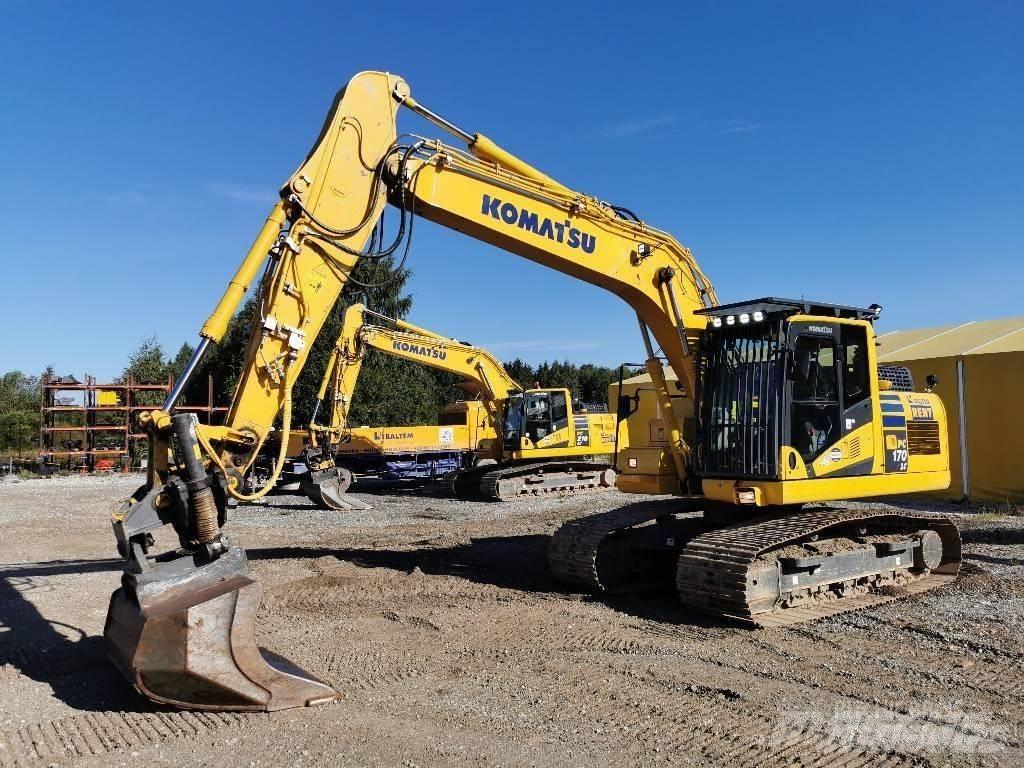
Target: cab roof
{"points": [[771, 305]]}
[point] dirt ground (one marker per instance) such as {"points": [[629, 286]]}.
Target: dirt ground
{"points": [[439, 623]]}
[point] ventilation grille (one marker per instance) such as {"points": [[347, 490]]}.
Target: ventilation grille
{"points": [[854, 447], [923, 437], [900, 376]]}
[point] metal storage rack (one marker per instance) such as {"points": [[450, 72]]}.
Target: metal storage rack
{"points": [[79, 428]]}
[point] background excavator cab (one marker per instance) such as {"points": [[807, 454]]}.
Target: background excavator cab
{"points": [[533, 416]]}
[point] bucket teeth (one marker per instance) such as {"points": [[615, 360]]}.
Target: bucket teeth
{"points": [[195, 648]]}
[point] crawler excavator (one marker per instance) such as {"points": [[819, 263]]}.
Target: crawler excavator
{"points": [[791, 408], [529, 442]]}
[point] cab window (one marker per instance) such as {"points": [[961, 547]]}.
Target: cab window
{"points": [[819, 385], [559, 411], [538, 416], [815, 404], [514, 418], [856, 386]]}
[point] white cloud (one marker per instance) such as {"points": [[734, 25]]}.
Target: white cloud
{"points": [[632, 128], [242, 193], [740, 126]]}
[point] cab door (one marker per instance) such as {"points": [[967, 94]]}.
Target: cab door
{"points": [[815, 423], [546, 422], [537, 424], [857, 400]]}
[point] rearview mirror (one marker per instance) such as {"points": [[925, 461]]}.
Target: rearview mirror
{"points": [[931, 381], [624, 407], [801, 368]]}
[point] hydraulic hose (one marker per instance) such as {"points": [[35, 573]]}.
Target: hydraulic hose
{"points": [[282, 453]]}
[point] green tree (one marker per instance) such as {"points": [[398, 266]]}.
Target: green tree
{"points": [[594, 381], [19, 410], [147, 363], [177, 365], [588, 382], [17, 428], [18, 392], [521, 371]]}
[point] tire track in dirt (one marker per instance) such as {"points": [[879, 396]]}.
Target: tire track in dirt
{"points": [[578, 627], [324, 594], [682, 718], [985, 676], [101, 733], [365, 671], [732, 731], [723, 728], [856, 624], [829, 678]]}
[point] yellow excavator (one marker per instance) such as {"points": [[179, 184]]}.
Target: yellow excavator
{"points": [[791, 408], [530, 442]]}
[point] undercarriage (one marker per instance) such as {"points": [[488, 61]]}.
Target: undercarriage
{"points": [[768, 570], [494, 483]]}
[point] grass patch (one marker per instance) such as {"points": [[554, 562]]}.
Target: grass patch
{"points": [[990, 511]]}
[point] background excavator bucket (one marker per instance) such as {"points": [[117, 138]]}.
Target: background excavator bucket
{"points": [[327, 489], [184, 634]]}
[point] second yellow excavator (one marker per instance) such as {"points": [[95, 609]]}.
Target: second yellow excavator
{"points": [[524, 441], [791, 408]]}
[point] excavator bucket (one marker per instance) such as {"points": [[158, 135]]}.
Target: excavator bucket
{"points": [[184, 634], [327, 489]]}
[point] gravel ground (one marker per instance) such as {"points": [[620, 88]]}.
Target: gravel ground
{"points": [[439, 623]]}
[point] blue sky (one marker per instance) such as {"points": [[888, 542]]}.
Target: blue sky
{"points": [[850, 152]]}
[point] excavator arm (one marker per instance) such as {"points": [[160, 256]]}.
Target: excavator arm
{"points": [[178, 619], [526, 213], [325, 483], [406, 341]]}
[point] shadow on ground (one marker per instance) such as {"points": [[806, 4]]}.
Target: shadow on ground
{"points": [[73, 663], [979, 535]]}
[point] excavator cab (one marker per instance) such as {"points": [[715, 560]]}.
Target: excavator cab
{"points": [[534, 415], [778, 373], [789, 398]]}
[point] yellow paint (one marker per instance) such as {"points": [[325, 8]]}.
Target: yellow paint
{"points": [[108, 397], [814, 490], [475, 433]]}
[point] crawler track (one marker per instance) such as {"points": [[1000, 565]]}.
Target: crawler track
{"points": [[540, 478], [713, 574], [575, 546], [572, 554], [714, 571]]}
